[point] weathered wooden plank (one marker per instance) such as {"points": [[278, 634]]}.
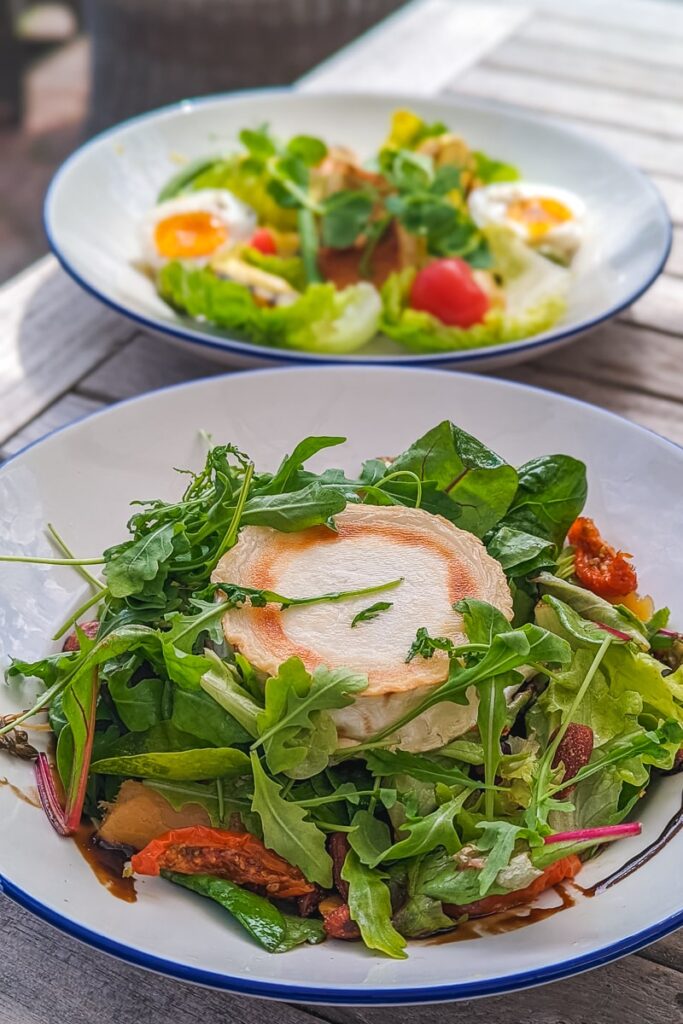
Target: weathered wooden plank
{"points": [[574, 99], [661, 307], [675, 262], [668, 952], [671, 190], [663, 416], [626, 992], [47, 977], [65, 410], [51, 333], [145, 363], [637, 43], [623, 355], [587, 67], [653, 16], [420, 49], [652, 153]]}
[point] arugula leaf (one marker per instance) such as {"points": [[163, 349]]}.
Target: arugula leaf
{"points": [[551, 494], [422, 767], [287, 830], [482, 621], [293, 727], [498, 842], [275, 931], [491, 716], [291, 464], [129, 566], [479, 483], [138, 704], [369, 837], [426, 833], [79, 705], [368, 614], [426, 646], [370, 907]]}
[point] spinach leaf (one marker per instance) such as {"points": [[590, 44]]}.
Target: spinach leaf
{"points": [[275, 931], [479, 483], [176, 765], [428, 832], [197, 713], [520, 553], [287, 830], [370, 907], [314, 505], [551, 494]]}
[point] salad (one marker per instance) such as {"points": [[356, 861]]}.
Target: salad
{"points": [[299, 245], [365, 707]]}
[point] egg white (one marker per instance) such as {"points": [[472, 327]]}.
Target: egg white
{"points": [[488, 205], [239, 219]]}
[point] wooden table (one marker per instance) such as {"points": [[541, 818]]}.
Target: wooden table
{"points": [[614, 69]]}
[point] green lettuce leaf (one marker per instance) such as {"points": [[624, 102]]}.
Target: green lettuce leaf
{"points": [[287, 830], [370, 907], [322, 319]]}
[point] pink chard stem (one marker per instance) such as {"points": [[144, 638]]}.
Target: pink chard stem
{"points": [[604, 834]]}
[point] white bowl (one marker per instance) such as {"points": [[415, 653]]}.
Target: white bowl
{"points": [[82, 478], [96, 200]]}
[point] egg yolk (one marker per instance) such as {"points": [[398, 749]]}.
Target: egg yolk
{"points": [[189, 235], [538, 214]]}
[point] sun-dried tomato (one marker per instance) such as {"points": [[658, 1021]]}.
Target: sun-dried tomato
{"points": [[567, 867], [598, 566], [338, 847], [237, 856], [574, 752]]}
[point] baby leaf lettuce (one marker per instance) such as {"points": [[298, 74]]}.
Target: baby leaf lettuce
{"points": [[370, 907], [287, 830]]}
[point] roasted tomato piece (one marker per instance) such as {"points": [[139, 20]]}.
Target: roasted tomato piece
{"points": [[89, 628], [600, 568], [237, 856], [567, 867], [337, 920]]}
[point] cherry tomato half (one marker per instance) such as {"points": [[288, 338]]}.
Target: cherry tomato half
{"points": [[263, 240], [447, 289]]}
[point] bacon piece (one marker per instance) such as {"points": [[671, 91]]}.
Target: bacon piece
{"points": [[338, 847], [567, 867], [337, 920], [343, 266]]}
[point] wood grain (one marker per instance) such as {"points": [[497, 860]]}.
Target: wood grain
{"points": [[67, 409], [639, 42], [51, 334]]}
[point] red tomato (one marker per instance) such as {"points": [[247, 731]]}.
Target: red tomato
{"points": [[263, 240], [447, 289]]}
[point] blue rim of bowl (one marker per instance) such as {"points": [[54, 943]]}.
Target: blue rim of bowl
{"points": [[359, 996], [251, 350]]}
